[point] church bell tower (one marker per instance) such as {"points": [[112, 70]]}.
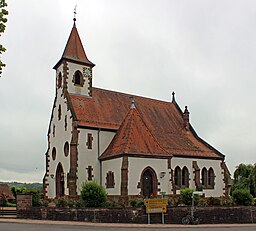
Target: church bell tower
{"points": [[74, 69]]}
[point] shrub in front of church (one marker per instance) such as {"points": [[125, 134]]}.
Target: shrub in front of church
{"points": [[242, 197], [214, 201], [186, 196], [93, 194]]}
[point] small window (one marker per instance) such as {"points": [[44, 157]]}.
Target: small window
{"points": [[89, 173], [89, 141], [78, 79], [177, 176], [66, 149], [110, 180], [54, 153], [66, 123], [59, 80], [53, 130], [59, 112]]}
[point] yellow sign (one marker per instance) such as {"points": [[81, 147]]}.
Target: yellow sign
{"points": [[156, 209], [156, 205], [160, 201]]}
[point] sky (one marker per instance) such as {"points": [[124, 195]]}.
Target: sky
{"points": [[203, 50]]}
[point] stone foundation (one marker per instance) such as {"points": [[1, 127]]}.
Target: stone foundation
{"points": [[207, 215]]}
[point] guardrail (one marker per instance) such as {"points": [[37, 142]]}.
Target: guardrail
{"points": [[8, 212]]}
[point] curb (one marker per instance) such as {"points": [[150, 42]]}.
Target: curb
{"points": [[121, 225]]}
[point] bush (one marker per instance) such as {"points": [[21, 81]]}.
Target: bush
{"points": [[93, 194], [133, 203], [61, 203], [186, 196], [213, 201], [242, 197], [3, 201], [79, 203]]}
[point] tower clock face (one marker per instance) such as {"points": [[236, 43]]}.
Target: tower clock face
{"points": [[87, 72]]}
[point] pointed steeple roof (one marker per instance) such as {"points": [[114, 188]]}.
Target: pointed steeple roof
{"points": [[74, 49], [134, 138]]}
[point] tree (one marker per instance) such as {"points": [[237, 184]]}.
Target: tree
{"points": [[242, 197], [93, 194], [3, 20], [245, 178]]}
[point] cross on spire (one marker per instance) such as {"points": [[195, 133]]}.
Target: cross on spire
{"points": [[74, 19]]}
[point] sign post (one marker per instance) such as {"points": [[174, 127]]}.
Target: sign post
{"points": [[158, 205]]}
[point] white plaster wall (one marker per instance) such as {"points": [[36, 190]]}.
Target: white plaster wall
{"points": [[61, 136], [89, 157], [72, 68], [136, 167], [113, 165], [215, 164]]}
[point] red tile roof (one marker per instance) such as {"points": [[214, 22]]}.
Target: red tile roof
{"points": [[108, 109], [6, 192], [74, 49], [134, 138]]}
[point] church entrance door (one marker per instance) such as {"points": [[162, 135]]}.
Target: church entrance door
{"points": [[60, 181], [149, 182]]}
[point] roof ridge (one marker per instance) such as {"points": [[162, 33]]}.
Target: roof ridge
{"points": [[137, 96]]}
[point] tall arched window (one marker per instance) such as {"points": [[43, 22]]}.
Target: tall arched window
{"points": [[204, 177], [185, 177], [211, 177], [177, 176]]}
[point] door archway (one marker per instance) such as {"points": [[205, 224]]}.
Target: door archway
{"points": [[148, 182], [60, 183]]}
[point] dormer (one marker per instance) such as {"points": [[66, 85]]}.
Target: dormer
{"points": [[74, 69]]}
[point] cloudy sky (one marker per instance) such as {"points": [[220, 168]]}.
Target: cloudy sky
{"points": [[204, 50]]}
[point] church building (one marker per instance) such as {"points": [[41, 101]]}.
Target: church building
{"points": [[133, 146]]}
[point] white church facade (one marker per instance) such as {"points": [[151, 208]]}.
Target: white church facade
{"points": [[132, 146]]}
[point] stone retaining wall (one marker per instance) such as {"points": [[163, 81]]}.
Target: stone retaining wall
{"points": [[207, 215]]}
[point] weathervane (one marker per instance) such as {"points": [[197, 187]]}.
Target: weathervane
{"points": [[75, 14]]}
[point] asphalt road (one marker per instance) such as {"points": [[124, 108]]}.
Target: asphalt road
{"points": [[61, 227]]}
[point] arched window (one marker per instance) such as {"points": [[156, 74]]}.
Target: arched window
{"points": [[66, 149], [110, 180], [59, 80], [54, 153], [185, 177], [211, 177], [204, 177], [177, 176], [78, 79]]}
